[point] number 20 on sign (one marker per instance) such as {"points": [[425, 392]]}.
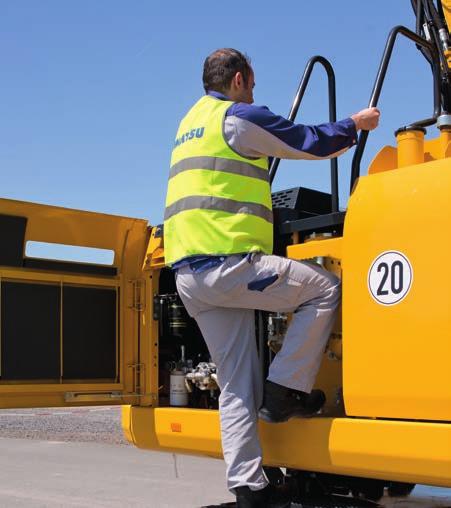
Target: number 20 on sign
{"points": [[390, 277]]}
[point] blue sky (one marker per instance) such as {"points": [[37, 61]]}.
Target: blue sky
{"points": [[91, 91]]}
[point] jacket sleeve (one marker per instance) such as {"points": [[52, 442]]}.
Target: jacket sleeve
{"points": [[254, 131]]}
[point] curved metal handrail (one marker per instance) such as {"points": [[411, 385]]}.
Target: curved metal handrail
{"points": [[375, 94], [332, 118]]}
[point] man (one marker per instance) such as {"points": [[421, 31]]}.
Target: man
{"points": [[218, 238]]}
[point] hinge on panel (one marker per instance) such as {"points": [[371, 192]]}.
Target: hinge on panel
{"points": [[138, 369], [92, 396], [78, 397], [138, 299]]}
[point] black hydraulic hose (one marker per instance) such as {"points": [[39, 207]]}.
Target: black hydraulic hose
{"points": [[355, 169], [440, 35], [441, 54], [420, 17], [419, 13], [436, 26], [332, 118], [438, 22], [417, 6]]}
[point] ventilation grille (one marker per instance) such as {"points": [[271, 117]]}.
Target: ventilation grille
{"points": [[303, 200], [286, 198]]}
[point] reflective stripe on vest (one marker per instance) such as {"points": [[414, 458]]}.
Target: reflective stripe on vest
{"points": [[219, 164], [213, 203], [218, 201]]}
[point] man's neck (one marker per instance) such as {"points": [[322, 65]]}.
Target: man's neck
{"points": [[218, 95]]}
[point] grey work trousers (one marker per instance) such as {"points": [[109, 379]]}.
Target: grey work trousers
{"points": [[222, 300]]}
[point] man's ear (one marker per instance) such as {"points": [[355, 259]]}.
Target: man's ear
{"points": [[237, 81]]}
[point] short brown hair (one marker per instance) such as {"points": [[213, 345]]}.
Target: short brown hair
{"points": [[221, 66]]}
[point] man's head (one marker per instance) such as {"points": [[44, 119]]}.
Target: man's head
{"points": [[229, 72]]}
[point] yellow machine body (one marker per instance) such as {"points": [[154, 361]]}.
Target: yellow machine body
{"points": [[396, 357], [392, 361], [386, 368], [417, 452]]}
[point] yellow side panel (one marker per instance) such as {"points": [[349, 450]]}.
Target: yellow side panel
{"points": [[396, 358], [127, 238], [385, 160], [327, 247], [404, 451], [55, 224]]}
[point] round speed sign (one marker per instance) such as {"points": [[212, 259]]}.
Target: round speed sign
{"points": [[390, 277]]}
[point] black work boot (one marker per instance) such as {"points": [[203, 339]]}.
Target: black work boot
{"points": [[281, 403], [271, 496]]}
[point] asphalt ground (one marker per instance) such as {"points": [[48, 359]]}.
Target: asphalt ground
{"points": [[38, 474], [100, 424], [77, 457]]}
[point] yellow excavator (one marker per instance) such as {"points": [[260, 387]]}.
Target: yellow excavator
{"points": [[84, 333]]}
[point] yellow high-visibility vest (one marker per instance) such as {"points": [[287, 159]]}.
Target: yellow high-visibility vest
{"points": [[218, 202]]}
